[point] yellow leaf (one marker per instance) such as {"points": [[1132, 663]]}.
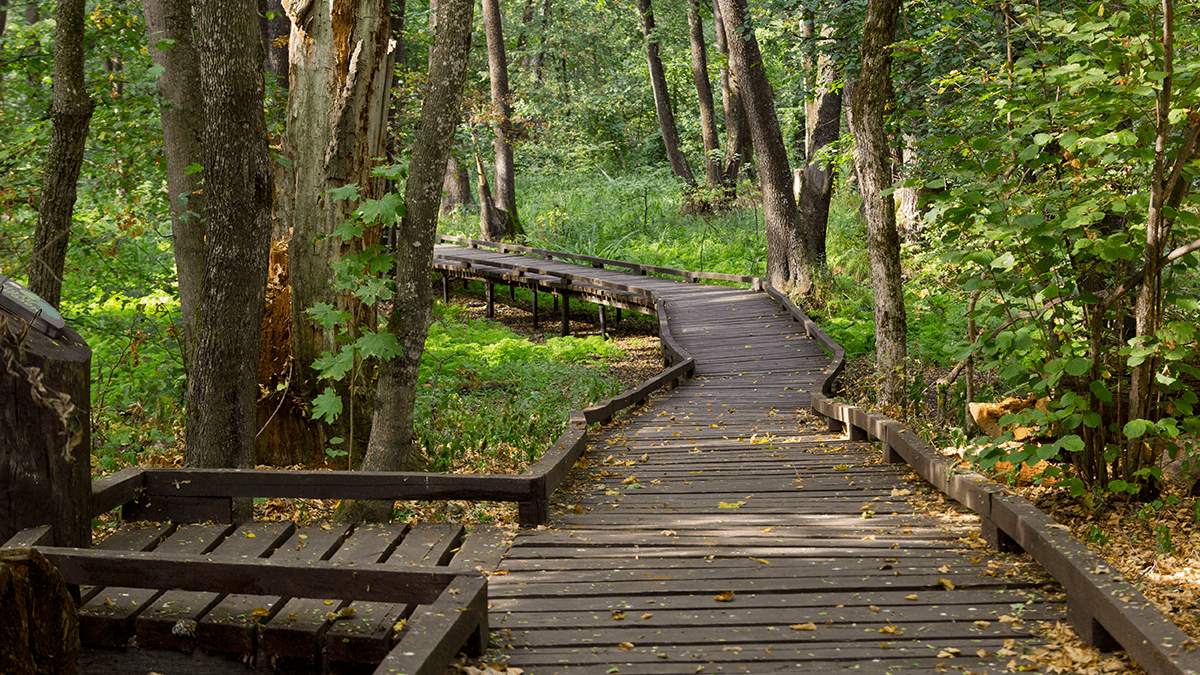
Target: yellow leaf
{"points": [[647, 615], [804, 626], [891, 630], [250, 535], [399, 626], [946, 584], [911, 597], [626, 646], [727, 596], [618, 615]]}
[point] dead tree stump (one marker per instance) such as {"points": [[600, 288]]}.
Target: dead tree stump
{"points": [[41, 627], [45, 437]]}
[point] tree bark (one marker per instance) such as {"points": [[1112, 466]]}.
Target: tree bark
{"points": [[223, 383], [872, 94], [816, 178], [169, 24], [456, 187], [789, 263], [337, 112], [391, 445], [662, 98], [506, 189], [737, 126], [71, 113], [704, 96]]}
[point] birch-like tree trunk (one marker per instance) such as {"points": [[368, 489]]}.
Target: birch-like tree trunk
{"points": [[662, 98], [223, 382], [391, 446], [70, 114], [170, 32], [789, 264], [872, 95]]}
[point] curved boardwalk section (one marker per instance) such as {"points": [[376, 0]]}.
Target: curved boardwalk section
{"points": [[721, 529]]}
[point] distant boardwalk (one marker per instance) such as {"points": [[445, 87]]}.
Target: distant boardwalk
{"points": [[722, 529]]}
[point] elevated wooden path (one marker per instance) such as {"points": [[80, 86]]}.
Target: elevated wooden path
{"points": [[723, 529]]}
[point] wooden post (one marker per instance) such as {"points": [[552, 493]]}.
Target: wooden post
{"points": [[45, 435], [489, 290], [41, 628], [445, 288], [566, 315], [535, 309], [603, 324]]}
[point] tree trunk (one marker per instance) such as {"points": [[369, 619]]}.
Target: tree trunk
{"points": [[506, 189], [337, 112], [872, 95], [273, 29], [816, 178], [391, 446], [708, 113], [169, 24], [737, 126], [223, 383], [662, 98], [456, 187], [789, 263], [71, 114], [493, 221]]}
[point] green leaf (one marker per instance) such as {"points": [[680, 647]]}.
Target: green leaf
{"points": [[325, 315], [327, 405], [388, 210], [334, 366], [1078, 366], [193, 168], [382, 345], [1135, 428], [343, 192]]}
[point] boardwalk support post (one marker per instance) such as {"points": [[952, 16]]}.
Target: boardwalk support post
{"points": [[1088, 628], [603, 324], [535, 309], [566, 315], [489, 290], [445, 287]]}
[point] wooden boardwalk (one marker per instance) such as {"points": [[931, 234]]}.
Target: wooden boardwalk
{"points": [[722, 529]]}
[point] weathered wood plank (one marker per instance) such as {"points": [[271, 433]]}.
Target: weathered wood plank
{"points": [[107, 619], [170, 621]]}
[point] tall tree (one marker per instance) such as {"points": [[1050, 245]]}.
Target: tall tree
{"points": [[662, 97], [170, 32], [815, 178], [391, 446], [337, 112], [704, 96], [789, 263], [506, 188], [223, 382], [737, 126], [71, 113], [872, 94]]}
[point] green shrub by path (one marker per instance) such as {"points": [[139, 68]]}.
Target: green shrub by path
{"points": [[491, 399]]}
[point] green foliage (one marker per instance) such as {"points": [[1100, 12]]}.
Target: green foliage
{"points": [[1045, 209], [487, 393]]}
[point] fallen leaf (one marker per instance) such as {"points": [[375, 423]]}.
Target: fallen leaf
{"points": [[626, 646], [911, 597], [946, 584], [727, 596], [618, 615], [804, 626]]}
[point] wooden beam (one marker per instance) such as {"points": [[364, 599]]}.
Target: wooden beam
{"points": [[260, 576]]}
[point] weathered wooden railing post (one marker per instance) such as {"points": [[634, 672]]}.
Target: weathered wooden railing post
{"points": [[45, 437]]}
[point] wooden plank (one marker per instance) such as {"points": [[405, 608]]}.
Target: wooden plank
{"points": [[334, 484], [116, 489], [297, 631], [171, 620], [483, 548], [107, 619], [232, 626], [129, 537], [436, 634], [366, 636]]}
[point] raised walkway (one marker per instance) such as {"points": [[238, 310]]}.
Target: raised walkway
{"points": [[722, 528]]}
